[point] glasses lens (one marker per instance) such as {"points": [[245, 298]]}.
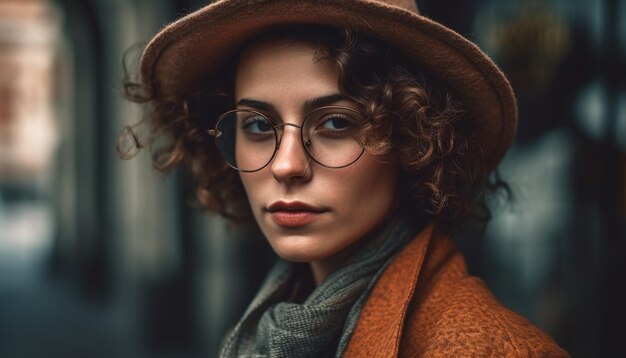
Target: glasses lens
{"points": [[329, 136], [246, 139]]}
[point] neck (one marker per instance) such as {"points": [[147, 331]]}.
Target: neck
{"points": [[322, 269], [320, 272]]}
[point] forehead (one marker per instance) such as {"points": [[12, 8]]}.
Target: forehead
{"points": [[283, 69]]}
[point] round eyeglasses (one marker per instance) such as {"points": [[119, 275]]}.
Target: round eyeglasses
{"points": [[248, 140]]}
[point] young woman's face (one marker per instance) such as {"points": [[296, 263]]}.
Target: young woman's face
{"points": [[308, 212]]}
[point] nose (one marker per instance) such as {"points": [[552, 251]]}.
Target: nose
{"points": [[291, 164]]}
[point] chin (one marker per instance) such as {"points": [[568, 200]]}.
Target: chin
{"points": [[298, 249]]}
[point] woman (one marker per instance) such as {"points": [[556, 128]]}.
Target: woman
{"points": [[354, 134]]}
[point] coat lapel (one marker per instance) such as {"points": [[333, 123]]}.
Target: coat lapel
{"points": [[380, 325]]}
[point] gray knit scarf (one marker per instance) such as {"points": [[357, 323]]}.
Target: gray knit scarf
{"points": [[321, 326]]}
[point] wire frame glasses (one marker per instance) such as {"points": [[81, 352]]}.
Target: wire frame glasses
{"points": [[248, 140]]}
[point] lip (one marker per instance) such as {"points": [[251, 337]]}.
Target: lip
{"points": [[294, 214], [293, 206]]}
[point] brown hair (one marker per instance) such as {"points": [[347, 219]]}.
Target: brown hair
{"points": [[411, 118]]}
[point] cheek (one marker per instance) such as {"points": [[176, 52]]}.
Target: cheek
{"points": [[368, 191], [251, 185]]}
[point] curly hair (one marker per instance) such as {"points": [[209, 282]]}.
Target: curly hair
{"points": [[411, 118]]}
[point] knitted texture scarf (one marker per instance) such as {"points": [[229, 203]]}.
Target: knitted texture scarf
{"points": [[276, 326]]}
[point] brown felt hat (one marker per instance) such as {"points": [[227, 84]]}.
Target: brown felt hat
{"points": [[193, 48]]}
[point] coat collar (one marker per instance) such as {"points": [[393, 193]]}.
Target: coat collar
{"points": [[382, 319]]}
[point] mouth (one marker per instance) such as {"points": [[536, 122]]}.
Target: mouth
{"points": [[294, 206], [294, 214]]}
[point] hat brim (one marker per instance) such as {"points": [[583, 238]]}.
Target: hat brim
{"points": [[192, 49]]}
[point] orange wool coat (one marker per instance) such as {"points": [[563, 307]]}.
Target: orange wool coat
{"points": [[426, 305]]}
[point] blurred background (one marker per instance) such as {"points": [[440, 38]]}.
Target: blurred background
{"points": [[101, 257]]}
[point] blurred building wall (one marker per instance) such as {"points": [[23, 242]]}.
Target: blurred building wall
{"points": [[28, 129]]}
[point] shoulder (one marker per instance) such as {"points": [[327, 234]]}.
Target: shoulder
{"points": [[454, 314], [457, 314], [426, 304]]}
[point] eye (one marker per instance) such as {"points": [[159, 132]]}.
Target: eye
{"points": [[337, 122], [257, 125]]}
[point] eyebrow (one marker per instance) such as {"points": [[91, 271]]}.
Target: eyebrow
{"points": [[260, 105], [323, 100], [308, 104]]}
